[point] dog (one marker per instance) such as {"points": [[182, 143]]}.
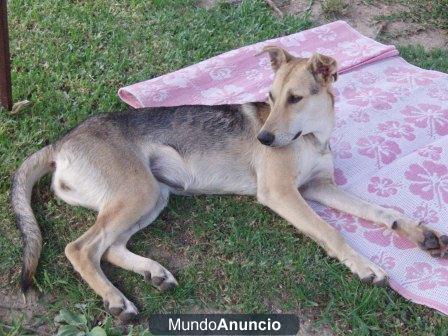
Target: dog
{"points": [[125, 166]]}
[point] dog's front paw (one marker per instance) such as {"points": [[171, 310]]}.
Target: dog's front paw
{"points": [[366, 270], [435, 243]]}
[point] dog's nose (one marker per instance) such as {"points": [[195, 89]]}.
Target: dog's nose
{"points": [[266, 138]]}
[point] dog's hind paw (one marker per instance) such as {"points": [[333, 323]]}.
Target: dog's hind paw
{"points": [[162, 282], [124, 310]]}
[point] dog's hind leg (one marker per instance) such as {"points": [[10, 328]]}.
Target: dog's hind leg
{"points": [[327, 193], [129, 198], [152, 271], [85, 253]]}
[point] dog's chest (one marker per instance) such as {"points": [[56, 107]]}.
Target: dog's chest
{"points": [[313, 159]]}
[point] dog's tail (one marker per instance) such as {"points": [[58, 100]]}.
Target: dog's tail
{"points": [[31, 170]]}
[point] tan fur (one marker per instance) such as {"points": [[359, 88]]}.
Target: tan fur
{"points": [[128, 179]]}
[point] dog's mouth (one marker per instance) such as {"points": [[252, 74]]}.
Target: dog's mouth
{"points": [[297, 135]]}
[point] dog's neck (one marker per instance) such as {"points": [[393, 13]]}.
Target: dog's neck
{"points": [[322, 146], [323, 134], [323, 127]]}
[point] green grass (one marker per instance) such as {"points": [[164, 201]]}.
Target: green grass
{"points": [[228, 253]]}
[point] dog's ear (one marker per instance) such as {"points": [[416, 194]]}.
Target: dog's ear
{"points": [[278, 56], [323, 68]]}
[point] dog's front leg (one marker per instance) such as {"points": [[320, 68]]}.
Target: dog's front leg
{"points": [[289, 204], [327, 193]]}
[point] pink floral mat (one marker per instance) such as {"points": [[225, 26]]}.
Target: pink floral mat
{"points": [[389, 143]]}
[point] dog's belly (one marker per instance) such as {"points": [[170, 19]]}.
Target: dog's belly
{"points": [[210, 172], [215, 175]]}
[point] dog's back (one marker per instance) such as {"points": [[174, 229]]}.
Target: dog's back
{"points": [[188, 129]]}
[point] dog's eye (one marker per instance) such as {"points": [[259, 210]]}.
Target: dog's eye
{"points": [[292, 99]]}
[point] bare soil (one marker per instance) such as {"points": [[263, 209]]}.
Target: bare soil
{"points": [[13, 307], [365, 16]]}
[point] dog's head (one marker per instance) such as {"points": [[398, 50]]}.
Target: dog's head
{"points": [[300, 97]]}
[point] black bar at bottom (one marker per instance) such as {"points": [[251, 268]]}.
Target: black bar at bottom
{"points": [[223, 324]]}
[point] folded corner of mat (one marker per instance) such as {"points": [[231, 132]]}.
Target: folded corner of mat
{"points": [[128, 95]]}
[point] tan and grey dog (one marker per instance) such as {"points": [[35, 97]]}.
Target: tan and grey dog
{"points": [[125, 165]]}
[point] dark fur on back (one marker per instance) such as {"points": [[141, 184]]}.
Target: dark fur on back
{"points": [[187, 129]]}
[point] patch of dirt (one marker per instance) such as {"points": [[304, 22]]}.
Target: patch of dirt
{"points": [[406, 33], [307, 319], [364, 17], [174, 262], [308, 328], [13, 307]]}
